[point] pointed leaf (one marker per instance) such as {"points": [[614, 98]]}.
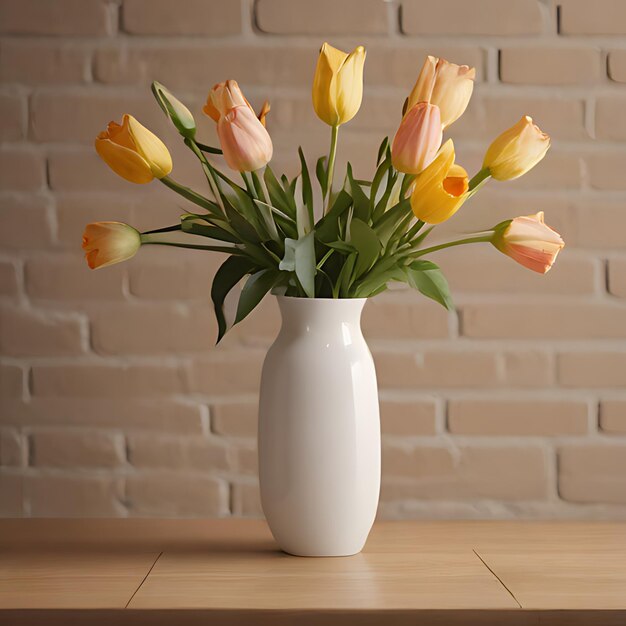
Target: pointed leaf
{"points": [[254, 291], [367, 244], [300, 257], [429, 280]]}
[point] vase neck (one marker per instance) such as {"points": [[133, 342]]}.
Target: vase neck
{"points": [[320, 314]]}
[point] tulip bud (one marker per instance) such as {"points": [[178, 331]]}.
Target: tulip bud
{"points": [[106, 243], [441, 189], [529, 241], [177, 112], [338, 84], [133, 152], [516, 151], [417, 140], [446, 85], [245, 142]]}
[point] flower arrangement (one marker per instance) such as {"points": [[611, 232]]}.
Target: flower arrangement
{"points": [[366, 234]]}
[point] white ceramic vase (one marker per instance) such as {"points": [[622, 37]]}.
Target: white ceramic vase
{"points": [[319, 429]]}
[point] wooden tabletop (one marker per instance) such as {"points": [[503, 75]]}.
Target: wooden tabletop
{"points": [[187, 572]]}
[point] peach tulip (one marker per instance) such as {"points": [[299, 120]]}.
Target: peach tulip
{"points": [[516, 150], [418, 138], [447, 85], [133, 152], [106, 243], [245, 142], [529, 241]]}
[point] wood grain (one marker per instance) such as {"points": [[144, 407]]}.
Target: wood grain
{"points": [[230, 572]]}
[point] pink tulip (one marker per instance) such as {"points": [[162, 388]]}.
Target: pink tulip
{"points": [[245, 142], [418, 138], [529, 241]]}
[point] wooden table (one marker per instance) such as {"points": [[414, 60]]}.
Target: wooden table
{"points": [[182, 573]]}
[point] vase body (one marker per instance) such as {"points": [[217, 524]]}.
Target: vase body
{"points": [[319, 429]]}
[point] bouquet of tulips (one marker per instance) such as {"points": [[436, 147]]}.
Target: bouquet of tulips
{"points": [[366, 233]]}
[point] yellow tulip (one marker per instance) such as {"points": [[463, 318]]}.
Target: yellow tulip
{"points": [[516, 150], [133, 152], [106, 243], [441, 189], [446, 85], [338, 84]]}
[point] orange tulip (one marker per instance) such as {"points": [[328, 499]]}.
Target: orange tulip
{"points": [[106, 243], [529, 241], [245, 142], [418, 138], [447, 85]]}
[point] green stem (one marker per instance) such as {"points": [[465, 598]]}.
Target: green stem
{"points": [[167, 229], [331, 165], [230, 250], [209, 172], [479, 178], [413, 231], [450, 244], [209, 149]]}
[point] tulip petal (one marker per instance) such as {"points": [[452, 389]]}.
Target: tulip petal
{"points": [[150, 147], [124, 162]]}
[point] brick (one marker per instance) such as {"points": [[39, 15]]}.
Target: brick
{"points": [[21, 63], [485, 270], [551, 66], [535, 321], [13, 115], [33, 229], [592, 369], [518, 417], [593, 473], [61, 17], [77, 448], [89, 380], [9, 284], [436, 369], [153, 329], [558, 170], [235, 420], [528, 368], [76, 210], [66, 279], [176, 495], [186, 17], [25, 333], [21, 170], [617, 65], [13, 448], [11, 495], [246, 458], [458, 17], [561, 117], [74, 496], [617, 277], [613, 416], [227, 373], [465, 472], [299, 17], [130, 414], [603, 17], [609, 118], [260, 328], [246, 498], [600, 223], [90, 113], [163, 280], [408, 418], [178, 453], [11, 381], [391, 317]]}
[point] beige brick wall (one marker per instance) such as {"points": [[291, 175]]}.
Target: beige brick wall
{"points": [[115, 401]]}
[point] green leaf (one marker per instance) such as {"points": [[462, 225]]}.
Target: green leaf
{"points": [[307, 190], [194, 227], [240, 224], [387, 224], [254, 290], [300, 257], [377, 281], [327, 229], [265, 211], [278, 195], [344, 280], [429, 280], [322, 174], [367, 244], [382, 150], [227, 276], [360, 201], [383, 168]]}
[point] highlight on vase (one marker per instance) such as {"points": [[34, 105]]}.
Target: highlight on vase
{"points": [[364, 234]]}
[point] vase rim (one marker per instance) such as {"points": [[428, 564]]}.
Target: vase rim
{"points": [[306, 299]]}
